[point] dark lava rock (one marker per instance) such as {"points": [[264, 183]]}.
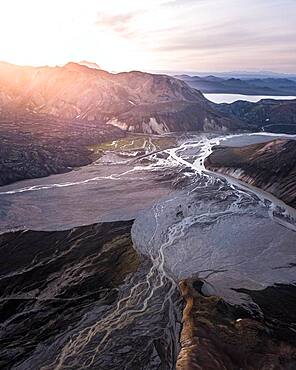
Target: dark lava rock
{"points": [[216, 335], [270, 166], [49, 281], [83, 298], [36, 146], [277, 304]]}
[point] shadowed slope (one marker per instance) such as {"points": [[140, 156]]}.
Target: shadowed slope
{"points": [[270, 166]]}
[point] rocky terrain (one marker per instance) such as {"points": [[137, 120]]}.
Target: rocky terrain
{"points": [[270, 166], [277, 116], [158, 288], [33, 146], [246, 86], [162, 291], [49, 116], [64, 293], [68, 295], [216, 335], [134, 101], [51, 280]]}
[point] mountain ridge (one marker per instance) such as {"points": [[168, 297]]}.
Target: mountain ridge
{"points": [[269, 115], [136, 101], [49, 116], [212, 84], [270, 166]]}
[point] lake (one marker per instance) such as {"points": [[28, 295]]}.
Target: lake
{"points": [[230, 98]]}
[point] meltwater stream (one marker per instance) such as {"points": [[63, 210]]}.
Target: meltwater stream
{"points": [[188, 223], [228, 234]]}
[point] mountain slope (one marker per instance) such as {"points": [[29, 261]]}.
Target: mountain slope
{"points": [[267, 114], [270, 166], [50, 116], [250, 86], [35, 147], [134, 101]]}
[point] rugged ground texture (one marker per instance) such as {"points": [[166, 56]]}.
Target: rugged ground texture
{"points": [[216, 335], [269, 115], [134, 101], [74, 299], [270, 166], [48, 116], [51, 280], [34, 146]]}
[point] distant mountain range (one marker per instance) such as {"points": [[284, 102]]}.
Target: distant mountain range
{"points": [[242, 75], [248, 86]]}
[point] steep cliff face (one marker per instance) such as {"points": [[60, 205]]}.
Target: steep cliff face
{"points": [[134, 101], [270, 166], [216, 335]]}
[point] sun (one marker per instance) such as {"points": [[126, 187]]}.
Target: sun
{"points": [[52, 32]]}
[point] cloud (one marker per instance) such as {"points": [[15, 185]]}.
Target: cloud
{"points": [[258, 33], [226, 37], [119, 23]]}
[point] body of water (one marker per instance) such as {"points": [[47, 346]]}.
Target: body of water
{"points": [[230, 98]]}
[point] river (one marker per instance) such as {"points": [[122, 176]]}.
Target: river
{"points": [[188, 222]]}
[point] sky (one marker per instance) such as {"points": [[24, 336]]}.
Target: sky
{"points": [[170, 35]]}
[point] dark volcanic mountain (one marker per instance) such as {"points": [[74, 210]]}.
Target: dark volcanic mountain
{"points": [[134, 101], [270, 166], [268, 115], [251, 86]]}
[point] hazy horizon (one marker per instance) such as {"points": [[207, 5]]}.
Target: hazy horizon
{"points": [[250, 72]]}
